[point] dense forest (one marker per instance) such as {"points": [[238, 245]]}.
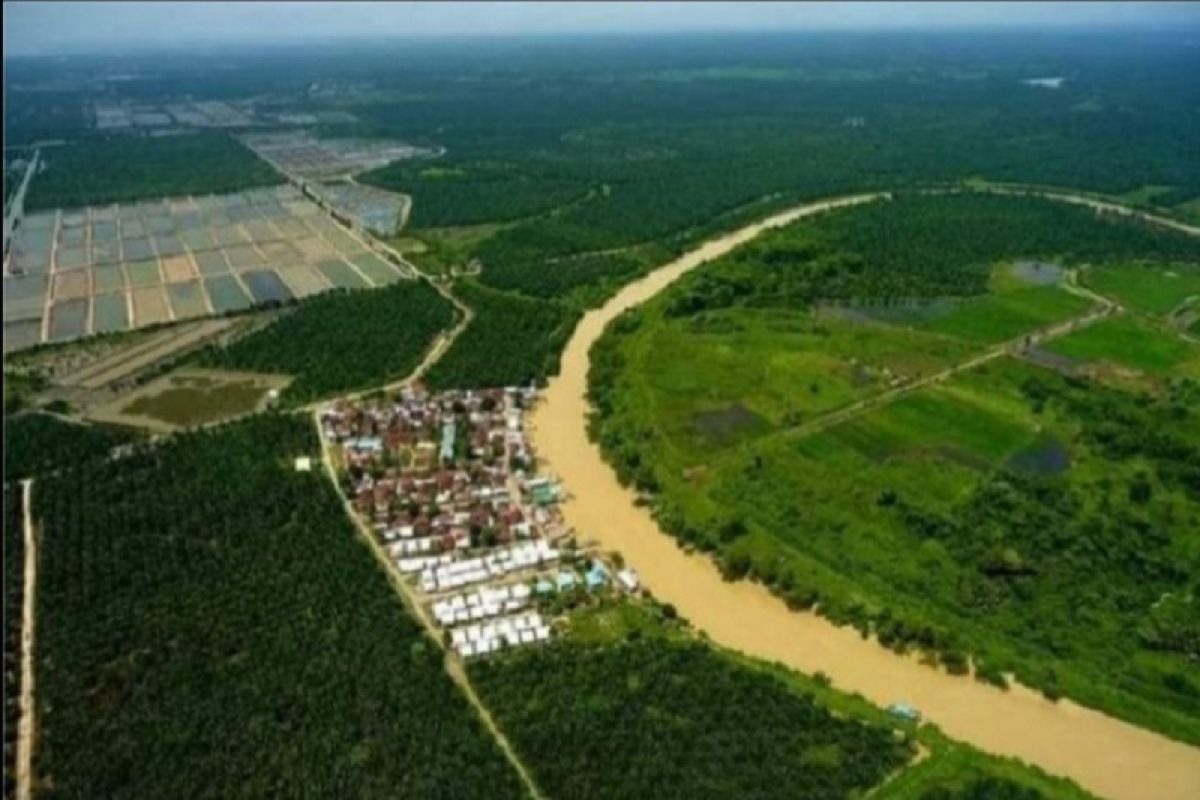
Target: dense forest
{"points": [[511, 340], [204, 605], [343, 340], [470, 193], [14, 575], [917, 247], [559, 277], [126, 168], [657, 718], [35, 443]]}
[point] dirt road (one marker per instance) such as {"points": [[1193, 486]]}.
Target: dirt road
{"points": [[1107, 756], [25, 724]]}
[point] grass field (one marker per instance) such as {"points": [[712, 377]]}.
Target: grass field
{"points": [[190, 397], [999, 317], [769, 370], [1152, 289], [1135, 343]]}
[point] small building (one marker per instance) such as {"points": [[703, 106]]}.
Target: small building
{"points": [[447, 451], [904, 711], [597, 576], [628, 579]]}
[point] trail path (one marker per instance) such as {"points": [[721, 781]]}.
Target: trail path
{"points": [[1107, 756], [25, 724], [411, 602], [16, 208]]}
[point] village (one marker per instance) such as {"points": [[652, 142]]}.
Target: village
{"points": [[448, 484]]}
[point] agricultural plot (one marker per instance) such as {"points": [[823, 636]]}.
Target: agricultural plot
{"points": [[250, 647], [1132, 343], [309, 157], [110, 312], [376, 210], [176, 256], [1154, 290], [189, 397]]}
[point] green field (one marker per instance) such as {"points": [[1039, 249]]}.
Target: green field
{"points": [[1154, 290], [974, 517], [252, 647], [1135, 343], [1003, 316]]}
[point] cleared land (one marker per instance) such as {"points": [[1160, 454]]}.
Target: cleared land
{"points": [[1152, 289], [1133, 343], [189, 397]]}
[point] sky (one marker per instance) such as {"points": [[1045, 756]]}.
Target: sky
{"points": [[47, 27]]}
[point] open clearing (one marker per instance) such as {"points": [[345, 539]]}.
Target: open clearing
{"points": [[1152, 289], [1133, 343], [190, 397]]}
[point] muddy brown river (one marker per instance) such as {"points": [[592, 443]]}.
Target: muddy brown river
{"points": [[1109, 757]]}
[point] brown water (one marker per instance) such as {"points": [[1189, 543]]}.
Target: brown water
{"points": [[1107, 756]]}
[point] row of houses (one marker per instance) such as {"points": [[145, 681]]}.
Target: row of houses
{"points": [[444, 480]]}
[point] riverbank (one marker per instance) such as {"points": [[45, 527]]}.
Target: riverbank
{"points": [[1105, 755]]}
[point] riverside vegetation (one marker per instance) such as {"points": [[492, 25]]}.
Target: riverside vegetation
{"points": [[1029, 521]]}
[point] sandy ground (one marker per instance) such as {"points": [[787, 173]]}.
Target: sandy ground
{"points": [[126, 361], [1109, 757]]}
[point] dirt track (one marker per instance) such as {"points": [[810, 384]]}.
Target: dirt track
{"points": [[1107, 756], [25, 724]]}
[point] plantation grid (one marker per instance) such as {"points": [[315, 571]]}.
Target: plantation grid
{"points": [[98, 269]]}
